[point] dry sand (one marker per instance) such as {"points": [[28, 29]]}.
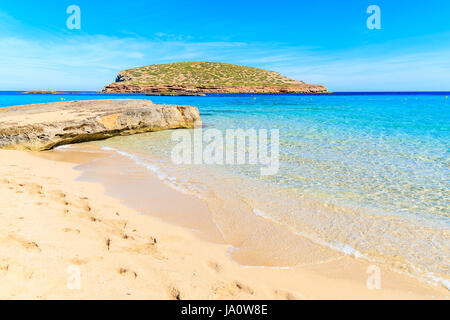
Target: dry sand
{"points": [[52, 226]]}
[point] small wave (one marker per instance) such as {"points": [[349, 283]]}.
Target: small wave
{"points": [[64, 146], [338, 246], [160, 174], [262, 214], [431, 278], [440, 281], [346, 249], [350, 251], [184, 187], [73, 147]]}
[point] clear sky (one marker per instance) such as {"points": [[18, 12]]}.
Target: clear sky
{"points": [[322, 41]]}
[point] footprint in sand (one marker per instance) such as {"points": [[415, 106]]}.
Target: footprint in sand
{"points": [[174, 293], [67, 230], [215, 266], [81, 207], [117, 225], [127, 237], [33, 188], [29, 245], [62, 198], [4, 267], [117, 228], [108, 243], [80, 204], [232, 288], [284, 295], [148, 248], [78, 262], [127, 272], [57, 194]]}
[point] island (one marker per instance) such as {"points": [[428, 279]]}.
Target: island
{"points": [[44, 126], [197, 78], [42, 92]]}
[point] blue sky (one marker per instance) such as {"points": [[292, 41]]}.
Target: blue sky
{"points": [[323, 41]]}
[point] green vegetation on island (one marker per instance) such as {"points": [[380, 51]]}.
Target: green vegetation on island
{"points": [[198, 78], [203, 74]]}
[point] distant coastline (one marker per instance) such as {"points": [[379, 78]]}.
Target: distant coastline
{"points": [[41, 92], [336, 93]]}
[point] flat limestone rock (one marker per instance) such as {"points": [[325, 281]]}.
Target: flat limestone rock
{"points": [[44, 126]]}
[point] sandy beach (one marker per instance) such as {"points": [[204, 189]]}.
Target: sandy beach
{"points": [[53, 227], [212, 159]]}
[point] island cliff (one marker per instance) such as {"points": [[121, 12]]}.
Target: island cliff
{"points": [[197, 78]]}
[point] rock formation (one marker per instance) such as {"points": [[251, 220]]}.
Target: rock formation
{"points": [[47, 125], [181, 90]]}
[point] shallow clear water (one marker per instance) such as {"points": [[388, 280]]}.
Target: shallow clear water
{"points": [[368, 175]]}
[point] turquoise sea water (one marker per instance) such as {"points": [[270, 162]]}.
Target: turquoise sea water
{"points": [[368, 175]]}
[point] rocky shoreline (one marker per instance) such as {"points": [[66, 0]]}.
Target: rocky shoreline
{"points": [[44, 126], [121, 87]]}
